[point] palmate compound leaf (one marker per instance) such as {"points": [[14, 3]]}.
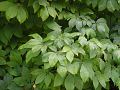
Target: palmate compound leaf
{"points": [[69, 82]]}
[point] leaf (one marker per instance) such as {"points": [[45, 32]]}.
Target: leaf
{"points": [[114, 75], [52, 59], [95, 82], [110, 5], [15, 56], [22, 14], [72, 22], [73, 68], [2, 61], [30, 55], [70, 56], [11, 12], [62, 71], [93, 50], [78, 83], [40, 77], [82, 40], [36, 36], [4, 5], [66, 49], [101, 64], [102, 5], [52, 12], [101, 79], [43, 13], [58, 81], [19, 81], [36, 6], [84, 73], [48, 79], [116, 55], [69, 82], [53, 25], [94, 3]]}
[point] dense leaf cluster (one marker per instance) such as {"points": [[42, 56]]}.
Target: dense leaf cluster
{"points": [[59, 44]]}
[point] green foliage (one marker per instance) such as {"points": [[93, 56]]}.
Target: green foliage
{"points": [[59, 44]]}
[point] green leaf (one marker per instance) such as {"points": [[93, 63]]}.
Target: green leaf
{"points": [[53, 59], [36, 6], [66, 49], [102, 5], [48, 79], [101, 79], [40, 77], [15, 56], [114, 75], [22, 14], [72, 22], [30, 55], [82, 40], [4, 5], [36, 36], [84, 73], [70, 56], [19, 81], [73, 68], [110, 5], [95, 82], [11, 12], [43, 13], [78, 83], [69, 82], [2, 61], [53, 25], [62, 71], [52, 12], [58, 81]]}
